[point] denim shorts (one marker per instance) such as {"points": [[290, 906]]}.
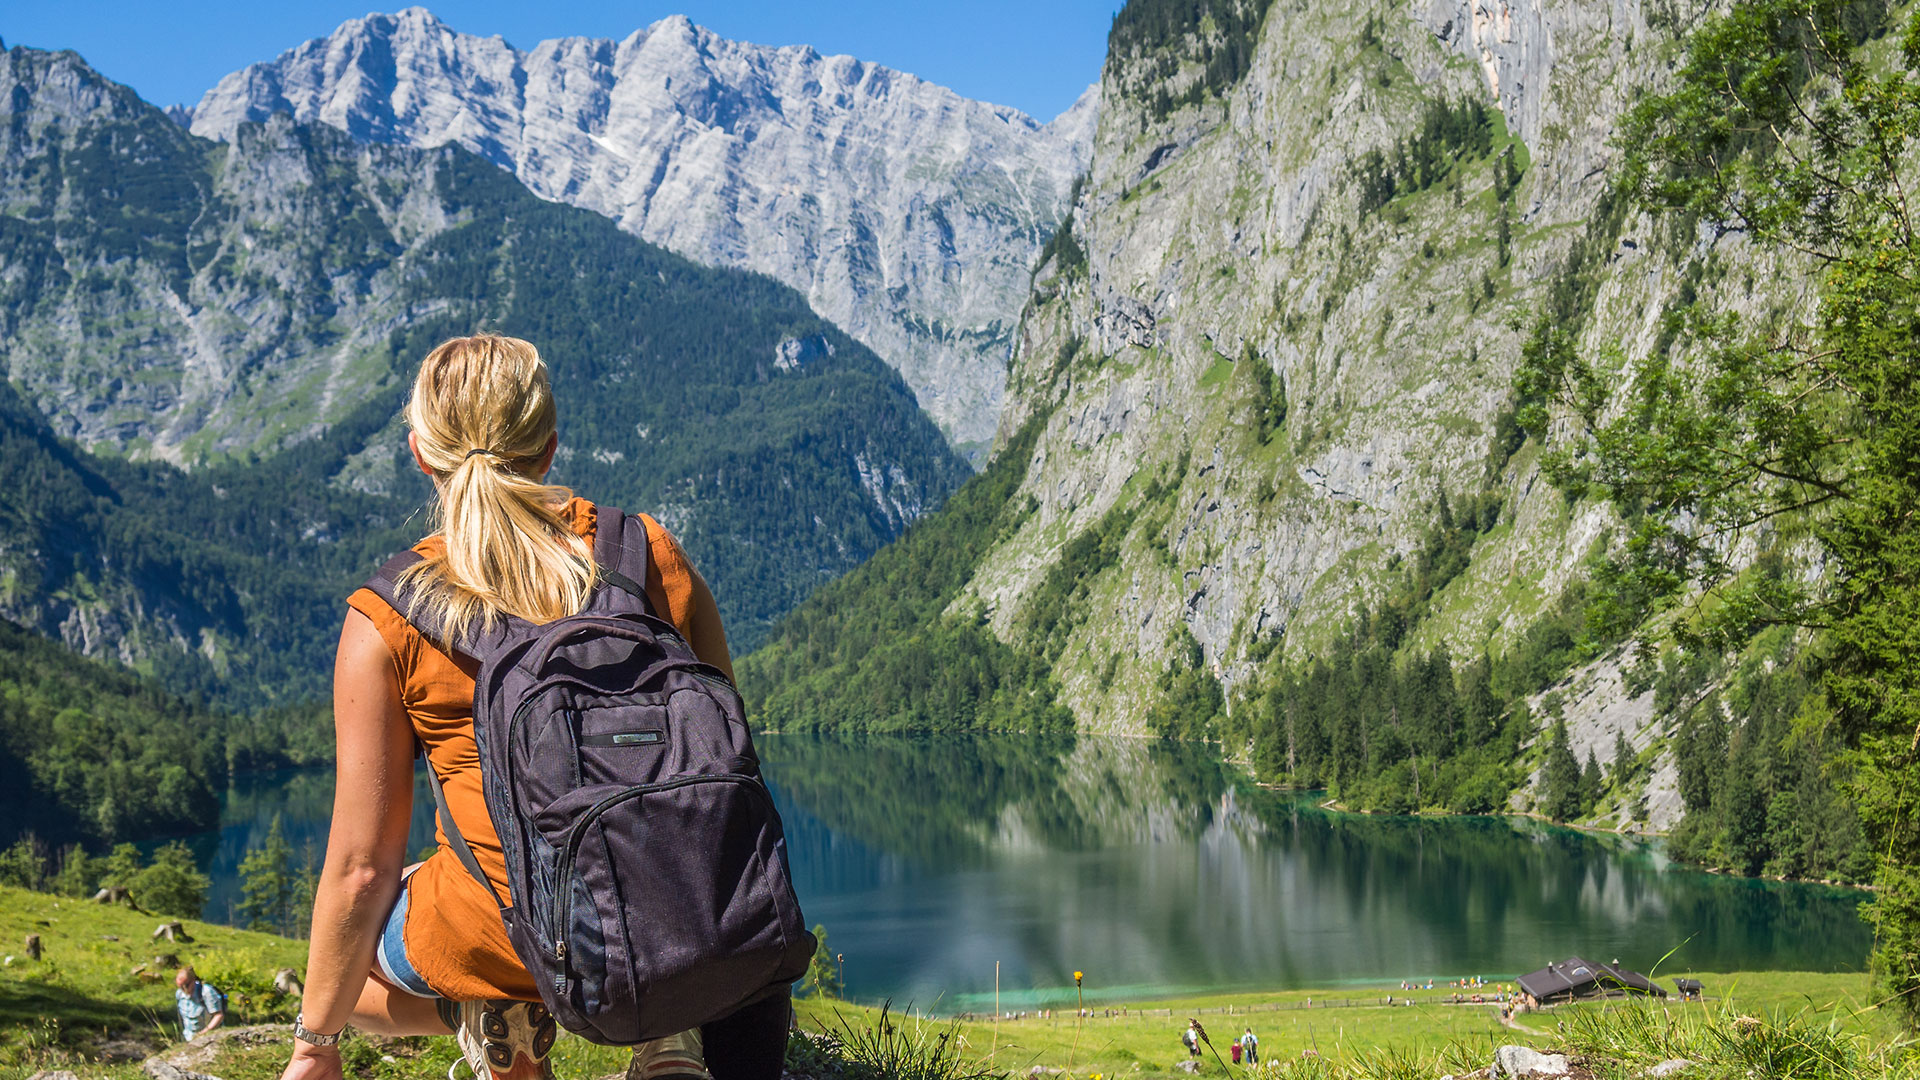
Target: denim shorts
{"points": [[391, 954]]}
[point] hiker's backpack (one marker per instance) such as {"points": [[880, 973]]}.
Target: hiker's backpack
{"points": [[647, 871], [214, 998]]}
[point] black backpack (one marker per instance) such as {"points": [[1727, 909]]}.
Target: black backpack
{"points": [[645, 860]]}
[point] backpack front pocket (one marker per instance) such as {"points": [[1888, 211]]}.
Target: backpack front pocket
{"points": [[699, 908]]}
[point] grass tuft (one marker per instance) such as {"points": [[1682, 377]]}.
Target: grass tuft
{"points": [[895, 1048], [1725, 1042]]}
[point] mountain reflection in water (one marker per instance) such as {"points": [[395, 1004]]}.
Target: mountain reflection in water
{"points": [[1154, 867]]}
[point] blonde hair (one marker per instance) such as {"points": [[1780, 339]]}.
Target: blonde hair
{"points": [[482, 415]]}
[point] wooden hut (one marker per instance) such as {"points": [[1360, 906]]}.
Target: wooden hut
{"points": [[1576, 979]]}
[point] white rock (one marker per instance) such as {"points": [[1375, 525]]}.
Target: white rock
{"points": [[909, 215], [1670, 1066], [1519, 1061]]}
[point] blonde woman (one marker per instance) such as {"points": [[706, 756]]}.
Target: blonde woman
{"points": [[421, 950]]}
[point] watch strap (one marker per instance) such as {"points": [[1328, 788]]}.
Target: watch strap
{"points": [[300, 1032]]}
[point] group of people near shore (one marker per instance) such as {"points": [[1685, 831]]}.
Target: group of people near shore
{"points": [[1514, 1004], [1245, 1049]]}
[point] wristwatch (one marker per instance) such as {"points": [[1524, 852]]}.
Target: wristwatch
{"points": [[300, 1032]]}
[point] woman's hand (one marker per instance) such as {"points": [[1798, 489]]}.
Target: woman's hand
{"points": [[312, 1062]]}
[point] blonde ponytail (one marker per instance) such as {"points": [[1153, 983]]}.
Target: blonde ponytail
{"points": [[482, 415]]}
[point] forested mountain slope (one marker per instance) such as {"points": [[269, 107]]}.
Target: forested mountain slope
{"points": [[907, 214], [1269, 482], [253, 311]]}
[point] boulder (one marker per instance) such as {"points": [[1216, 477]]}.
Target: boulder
{"points": [[1519, 1061], [191, 1060], [1188, 1065]]}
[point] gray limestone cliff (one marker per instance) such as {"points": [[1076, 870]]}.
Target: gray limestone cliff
{"points": [[1230, 245], [908, 215]]}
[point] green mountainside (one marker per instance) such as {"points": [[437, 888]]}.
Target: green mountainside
{"points": [[207, 345], [92, 753], [1289, 460]]}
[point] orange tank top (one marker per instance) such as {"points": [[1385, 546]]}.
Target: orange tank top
{"points": [[454, 936]]}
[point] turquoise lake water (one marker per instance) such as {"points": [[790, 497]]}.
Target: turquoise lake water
{"points": [[1154, 867]]}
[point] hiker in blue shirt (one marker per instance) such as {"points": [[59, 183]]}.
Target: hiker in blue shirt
{"points": [[202, 1007]]}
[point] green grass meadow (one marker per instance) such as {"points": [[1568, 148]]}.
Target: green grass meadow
{"points": [[100, 1000], [1146, 1041]]}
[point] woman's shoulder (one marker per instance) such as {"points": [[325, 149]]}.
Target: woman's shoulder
{"points": [[662, 546], [581, 516]]}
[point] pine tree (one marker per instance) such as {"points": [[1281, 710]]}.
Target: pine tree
{"points": [[1591, 783], [823, 975], [1560, 786], [1743, 808], [173, 884], [1622, 761], [24, 864], [79, 873], [305, 885], [121, 868], [267, 882]]}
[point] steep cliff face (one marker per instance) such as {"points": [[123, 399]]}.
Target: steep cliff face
{"points": [[1290, 338], [908, 215], [170, 297]]}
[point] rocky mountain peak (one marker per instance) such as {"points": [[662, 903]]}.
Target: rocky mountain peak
{"points": [[909, 215], [1075, 125]]}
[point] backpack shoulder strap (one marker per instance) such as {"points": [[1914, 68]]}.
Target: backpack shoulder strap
{"points": [[480, 642], [620, 545], [385, 584], [459, 842]]}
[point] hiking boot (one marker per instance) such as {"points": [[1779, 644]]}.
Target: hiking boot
{"points": [[675, 1057], [506, 1040]]}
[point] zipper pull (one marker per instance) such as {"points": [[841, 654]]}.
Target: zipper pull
{"points": [[560, 949]]}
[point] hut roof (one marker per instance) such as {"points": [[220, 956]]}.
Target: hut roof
{"points": [[1575, 977]]}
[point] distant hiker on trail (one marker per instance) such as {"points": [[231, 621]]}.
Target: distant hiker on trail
{"points": [[445, 946], [1236, 1051], [202, 1007], [1191, 1037], [1252, 1047]]}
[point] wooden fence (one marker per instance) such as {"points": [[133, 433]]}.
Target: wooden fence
{"points": [[1119, 1012]]}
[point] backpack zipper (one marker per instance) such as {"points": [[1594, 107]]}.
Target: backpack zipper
{"points": [[563, 880]]}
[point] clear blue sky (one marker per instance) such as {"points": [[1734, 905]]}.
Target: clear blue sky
{"points": [[1036, 55]]}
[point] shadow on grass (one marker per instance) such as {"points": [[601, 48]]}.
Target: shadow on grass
{"points": [[39, 1020]]}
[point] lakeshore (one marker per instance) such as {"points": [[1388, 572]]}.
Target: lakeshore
{"points": [[1341, 1021], [96, 1004]]}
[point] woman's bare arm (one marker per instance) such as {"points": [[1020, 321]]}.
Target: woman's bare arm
{"points": [[367, 844], [708, 638]]}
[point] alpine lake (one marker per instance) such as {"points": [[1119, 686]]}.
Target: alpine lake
{"points": [[1157, 869]]}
